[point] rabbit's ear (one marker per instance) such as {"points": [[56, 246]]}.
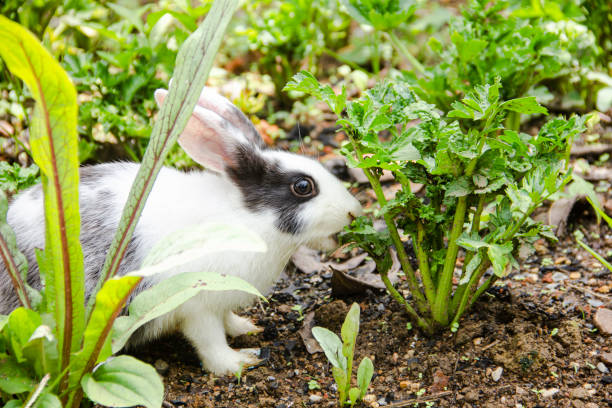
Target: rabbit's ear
{"points": [[210, 139], [210, 99]]}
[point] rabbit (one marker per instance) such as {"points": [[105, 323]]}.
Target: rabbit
{"points": [[287, 199]]}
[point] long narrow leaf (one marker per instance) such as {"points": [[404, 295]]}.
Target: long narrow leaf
{"points": [[110, 300], [193, 64], [15, 262], [53, 138], [595, 255]]}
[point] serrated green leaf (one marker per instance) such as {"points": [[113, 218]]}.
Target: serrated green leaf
{"points": [[459, 187], [124, 381], [499, 255], [527, 105]]}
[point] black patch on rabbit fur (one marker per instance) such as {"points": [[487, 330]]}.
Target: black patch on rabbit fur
{"points": [[264, 185]]}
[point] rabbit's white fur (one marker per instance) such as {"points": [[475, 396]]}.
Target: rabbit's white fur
{"points": [[179, 200]]}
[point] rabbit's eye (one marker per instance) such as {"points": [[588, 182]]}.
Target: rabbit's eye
{"points": [[303, 187]]}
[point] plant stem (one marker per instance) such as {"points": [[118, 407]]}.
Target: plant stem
{"points": [[422, 323], [401, 48], [440, 307], [490, 281], [513, 121], [430, 291], [469, 294], [468, 257], [375, 52], [399, 246]]}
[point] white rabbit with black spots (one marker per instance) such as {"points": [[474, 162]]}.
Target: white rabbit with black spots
{"points": [[287, 199]]}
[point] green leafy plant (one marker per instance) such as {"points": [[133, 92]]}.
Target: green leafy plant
{"points": [[285, 34], [16, 178], [481, 184], [489, 41], [579, 236], [384, 16], [340, 355], [54, 350]]}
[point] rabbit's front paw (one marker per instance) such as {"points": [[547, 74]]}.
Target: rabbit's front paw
{"points": [[228, 362], [236, 325]]}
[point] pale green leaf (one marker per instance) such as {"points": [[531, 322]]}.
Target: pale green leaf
{"points": [[350, 327], [364, 375], [124, 381], [168, 295], [331, 345], [189, 244]]}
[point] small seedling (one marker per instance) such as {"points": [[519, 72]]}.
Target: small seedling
{"points": [[313, 385], [300, 310], [340, 355], [554, 332]]}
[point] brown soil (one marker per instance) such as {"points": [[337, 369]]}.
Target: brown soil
{"points": [[536, 328]]}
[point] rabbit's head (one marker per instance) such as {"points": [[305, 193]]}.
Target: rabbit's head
{"points": [[307, 201]]}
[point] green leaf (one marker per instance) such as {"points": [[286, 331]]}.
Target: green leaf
{"points": [[526, 105], [305, 82], [21, 324], [54, 143], [110, 300], [47, 400], [459, 187], [350, 327], [331, 345], [364, 375], [168, 295], [353, 395], [194, 61], [188, 244], [13, 404], [14, 378], [500, 256], [124, 381]]}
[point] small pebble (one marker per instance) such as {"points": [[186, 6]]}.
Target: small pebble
{"points": [[549, 392], [382, 402], [575, 275], [471, 396], [606, 357], [315, 398], [497, 373], [559, 276], [603, 320], [602, 368], [579, 393]]}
